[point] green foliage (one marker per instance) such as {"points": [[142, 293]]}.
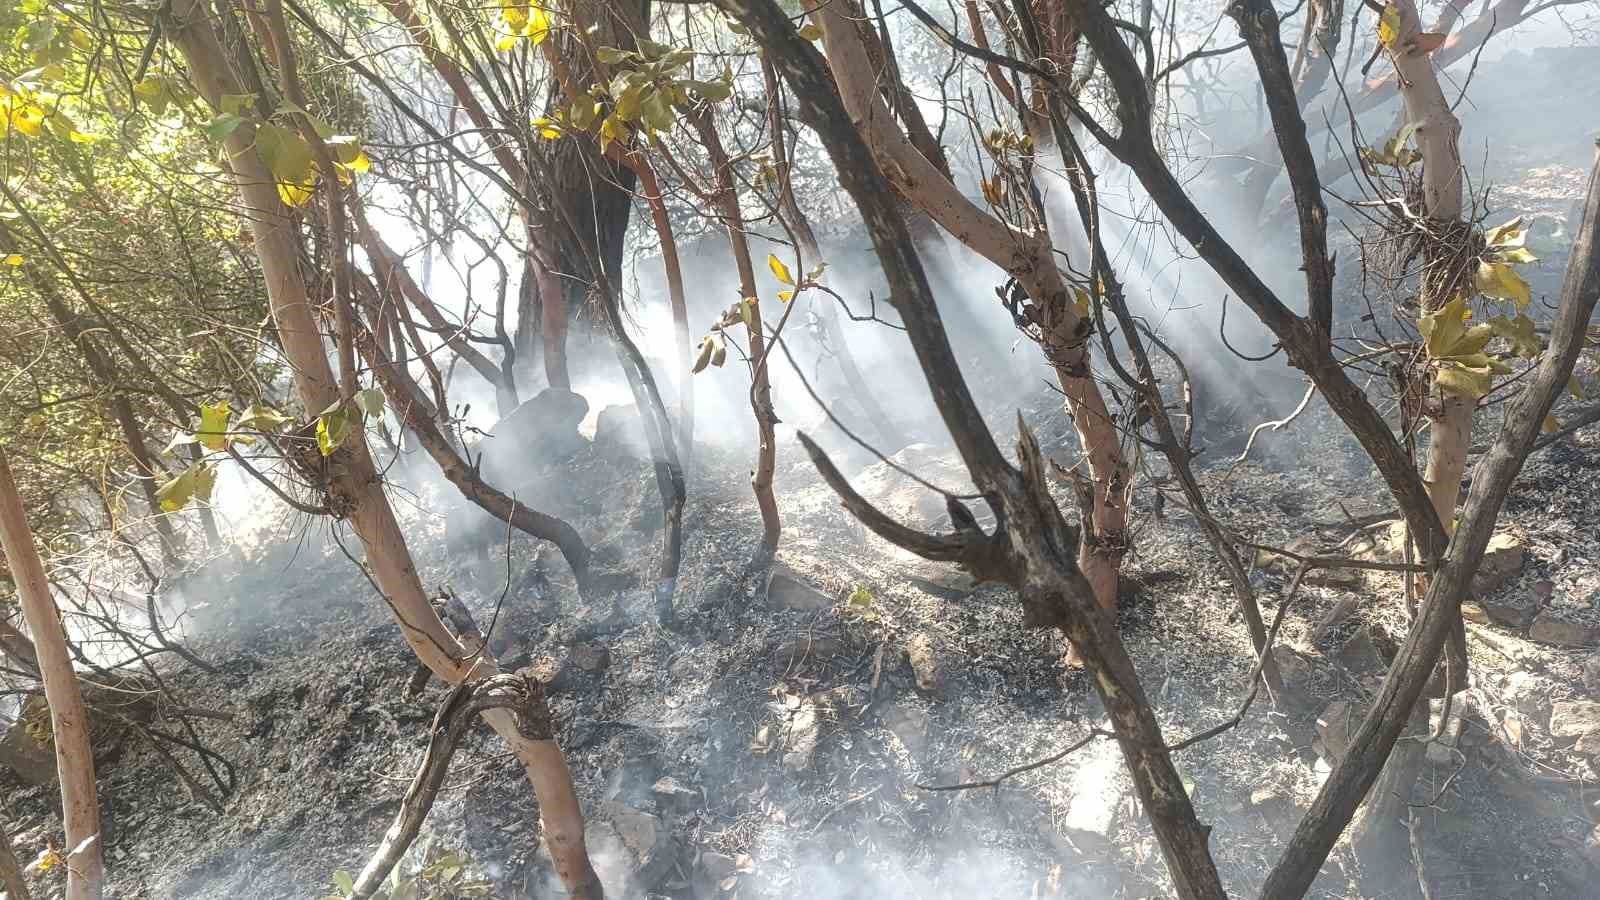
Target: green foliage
{"points": [[645, 95]]}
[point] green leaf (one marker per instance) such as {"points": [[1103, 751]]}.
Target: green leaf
{"points": [[222, 125], [779, 270], [816, 271], [712, 91], [193, 483], [611, 55], [344, 882], [213, 431], [657, 111], [370, 400], [261, 418], [333, 426], [285, 153], [237, 104]]}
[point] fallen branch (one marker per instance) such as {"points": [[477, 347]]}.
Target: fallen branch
{"points": [[520, 693]]}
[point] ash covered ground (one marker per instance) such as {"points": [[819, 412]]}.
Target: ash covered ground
{"points": [[773, 745]]}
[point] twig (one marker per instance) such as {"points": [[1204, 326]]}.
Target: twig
{"points": [[1029, 767], [1305, 401]]}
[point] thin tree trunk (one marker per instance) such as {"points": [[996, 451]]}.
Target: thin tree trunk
{"points": [[355, 483], [727, 204], [650, 186], [10, 872], [69, 720]]}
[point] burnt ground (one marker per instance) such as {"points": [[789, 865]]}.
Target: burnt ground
{"points": [[774, 744]]}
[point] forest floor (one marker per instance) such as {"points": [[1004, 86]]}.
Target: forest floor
{"points": [[776, 743]]}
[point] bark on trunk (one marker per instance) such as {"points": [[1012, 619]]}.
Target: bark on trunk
{"points": [[355, 484], [727, 204], [69, 719], [10, 872], [1028, 258]]}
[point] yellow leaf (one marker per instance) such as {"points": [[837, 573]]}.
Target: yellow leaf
{"points": [[212, 433], [506, 42], [810, 32], [538, 26], [1081, 302], [1511, 234], [1500, 280], [549, 128], [779, 270], [1550, 424], [786, 296], [1462, 382], [703, 358], [295, 194], [28, 119], [1444, 328], [14, 259], [1389, 25]]}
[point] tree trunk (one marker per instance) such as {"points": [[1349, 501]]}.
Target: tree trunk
{"points": [[69, 720], [10, 872], [727, 204], [1028, 258], [355, 485]]}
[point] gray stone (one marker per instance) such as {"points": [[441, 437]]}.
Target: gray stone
{"points": [[1360, 653], [1591, 674], [619, 432], [672, 790], [32, 762], [633, 845], [1502, 561], [904, 499], [800, 742], [924, 663], [1516, 609], [947, 580], [1334, 727], [544, 428], [786, 590], [1553, 627], [1575, 718], [909, 724]]}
